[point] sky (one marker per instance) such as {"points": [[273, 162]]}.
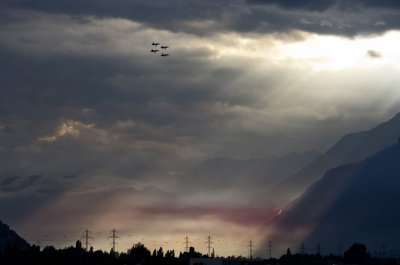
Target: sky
{"points": [[96, 131]]}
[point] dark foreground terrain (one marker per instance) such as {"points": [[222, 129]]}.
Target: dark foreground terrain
{"points": [[139, 254]]}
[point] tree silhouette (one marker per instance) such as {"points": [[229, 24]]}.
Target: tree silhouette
{"points": [[357, 253], [160, 253], [78, 244]]}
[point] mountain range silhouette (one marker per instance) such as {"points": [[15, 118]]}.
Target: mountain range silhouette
{"points": [[350, 148], [354, 202]]}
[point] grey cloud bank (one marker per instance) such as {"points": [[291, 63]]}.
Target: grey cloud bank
{"points": [[91, 90], [347, 18], [326, 4]]}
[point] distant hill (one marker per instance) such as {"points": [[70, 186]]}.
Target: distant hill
{"points": [[224, 173], [350, 148], [358, 202], [8, 236]]}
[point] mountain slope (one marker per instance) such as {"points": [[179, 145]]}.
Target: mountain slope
{"points": [[357, 202], [8, 236], [350, 148]]}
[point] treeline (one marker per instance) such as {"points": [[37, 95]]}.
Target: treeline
{"points": [[356, 254], [139, 254], [77, 255]]}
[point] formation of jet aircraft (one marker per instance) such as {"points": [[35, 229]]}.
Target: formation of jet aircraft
{"points": [[162, 47]]}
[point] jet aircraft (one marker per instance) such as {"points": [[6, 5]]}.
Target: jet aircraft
{"points": [[164, 54], [164, 47], [154, 51], [155, 44]]}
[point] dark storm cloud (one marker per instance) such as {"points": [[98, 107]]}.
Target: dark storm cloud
{"points": [[70, 177], [265, 16], [7, 130], [103, 91], [158, 14], [8, 181], [116, 89], [293, 4], [326, 4], [136, 115]]}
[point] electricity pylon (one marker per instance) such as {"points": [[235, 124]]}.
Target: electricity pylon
{"points": [[86, 236], [250, 249], [114, 238], [209, 243], [270, 249], [187, 244]]}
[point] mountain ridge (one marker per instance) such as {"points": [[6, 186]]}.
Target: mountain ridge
{"points": [[350, 148], [353, 202]]}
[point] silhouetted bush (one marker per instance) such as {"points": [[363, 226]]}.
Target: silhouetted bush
{"points": [[357, 254]]}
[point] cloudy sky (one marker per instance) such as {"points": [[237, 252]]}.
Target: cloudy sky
{"points": [[96, 131]]}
